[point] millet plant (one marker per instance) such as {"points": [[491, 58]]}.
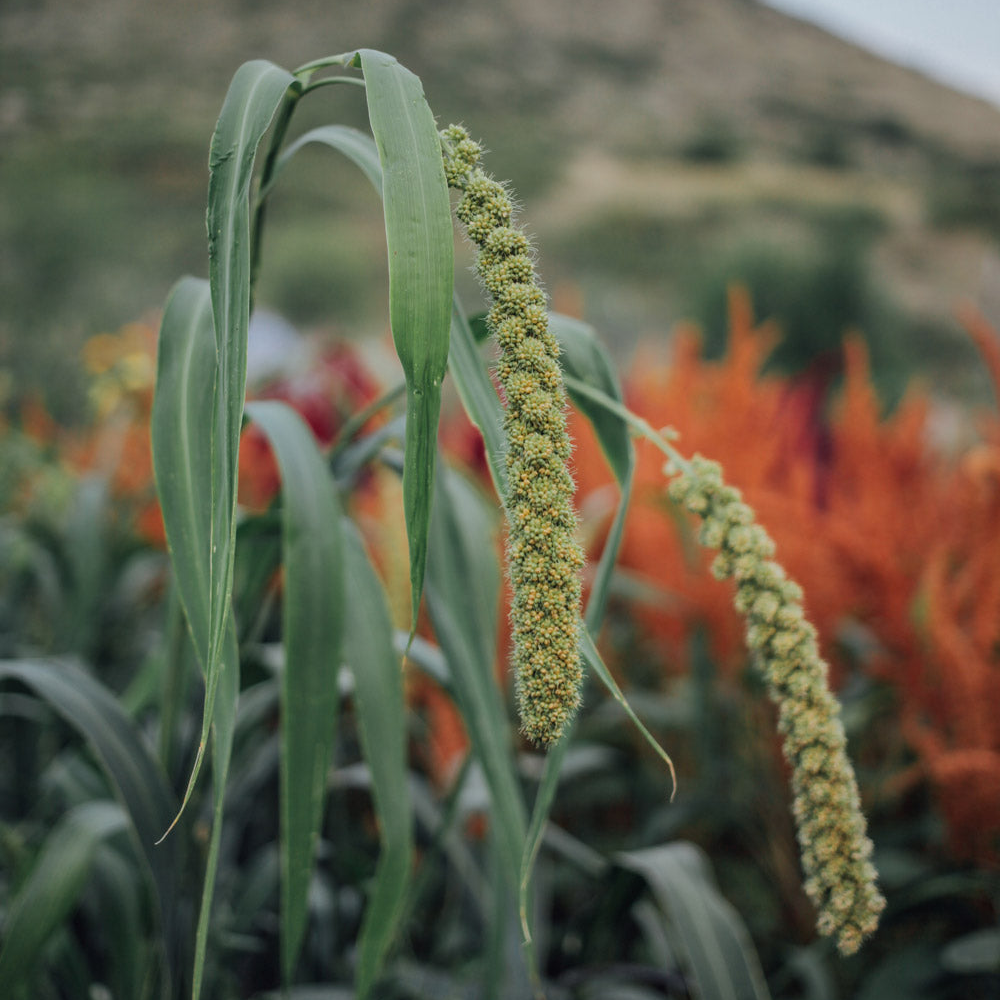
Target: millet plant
{"points": [[337, 640]]}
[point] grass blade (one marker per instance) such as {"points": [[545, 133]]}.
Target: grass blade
{"points": [[354, 144], [182, 466], [584, 357], [119, 898], [714, 945], [254, 95], [182, 457], [183, 407], [312, 612], [420, 243], [594, 661], [133, 772], [479, 397], [56, 881], [378, 680], [223, 728]]}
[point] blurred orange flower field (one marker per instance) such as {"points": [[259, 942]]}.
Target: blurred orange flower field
{"points": [[896, 544]]}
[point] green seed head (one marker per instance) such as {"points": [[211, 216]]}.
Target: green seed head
{"points": [[543, 556], [840, 880]]}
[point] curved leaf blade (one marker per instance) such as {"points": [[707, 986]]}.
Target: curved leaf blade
{"points": [[223, 729], [56, 881], [479, 398], [584, 357], [254, 95], [420, 243], [715, 946], [312, 614], [593, 660], [183, 407], [378, 680], [182, 455], [354, 144], [135, 776]]}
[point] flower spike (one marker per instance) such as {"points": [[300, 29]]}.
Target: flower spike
{"points": [[544, 557]]}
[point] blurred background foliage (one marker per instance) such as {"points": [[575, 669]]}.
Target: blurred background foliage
{"points": [[649, 178]]}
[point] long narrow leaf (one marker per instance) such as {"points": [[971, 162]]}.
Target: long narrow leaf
{"points": [[182, 462], [482, 405], [53, 887], [378, 681], [118, 903], [312, 616], [594, 661], [182, 466], [182, 455], [131, 767], [420, 243], [223, 728], [714, 945], [584, 357], [354, 144], [254, 95]]}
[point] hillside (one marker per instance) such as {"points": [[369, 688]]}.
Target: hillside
{"points": [[649, 141]]}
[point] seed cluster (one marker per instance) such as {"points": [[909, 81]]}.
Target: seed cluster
{"points": [[836, 851], [543, 556]]}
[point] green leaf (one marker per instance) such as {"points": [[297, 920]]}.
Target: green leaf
{"points": [[118, 903], [354, 144], [977, 953], [182, 455], [482, 405], [87, 553], [134, 774], [52, 889], [254, 95], [420, 243], [463, 581], [312, 625], [183, 407], [378, 688], [223, 728], [593, 660], [584, 357], [713, 944]]}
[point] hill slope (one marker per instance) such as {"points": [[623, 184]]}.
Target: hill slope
{"points": [[670, 130]]}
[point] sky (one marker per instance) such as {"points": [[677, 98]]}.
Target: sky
{"points": [[954, 41]]}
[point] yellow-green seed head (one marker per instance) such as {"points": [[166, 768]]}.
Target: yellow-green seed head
{"points": [[543, 556], [839, 878]]}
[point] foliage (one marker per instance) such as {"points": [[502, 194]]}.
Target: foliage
{"points": [[374, 825]]}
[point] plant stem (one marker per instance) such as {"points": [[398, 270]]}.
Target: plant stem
{"points": [[658, 438]]}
